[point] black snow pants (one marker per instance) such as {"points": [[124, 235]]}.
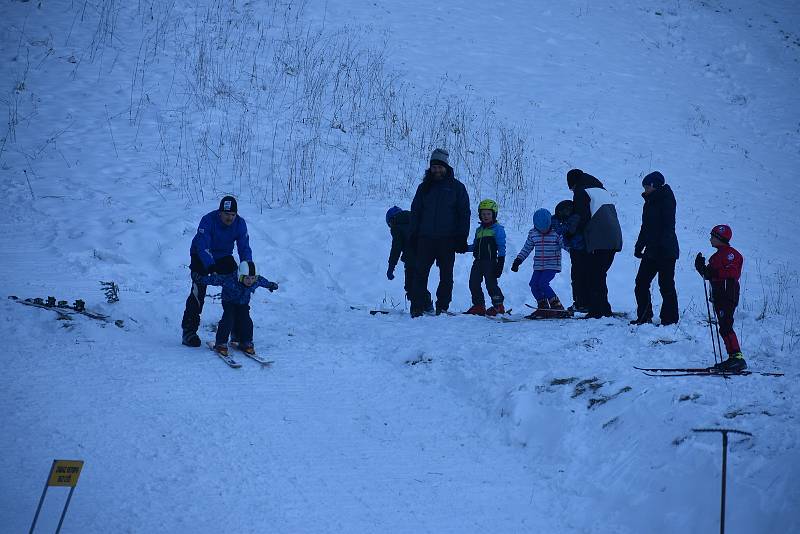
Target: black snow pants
{"points": [[484, 269], [235, 320], [429, 250], [648, 269]]}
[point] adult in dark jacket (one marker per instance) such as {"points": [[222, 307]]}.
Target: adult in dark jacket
{"points": [[657, 247], [399, 222], [602, 236], [212, 252], [439, 228]]}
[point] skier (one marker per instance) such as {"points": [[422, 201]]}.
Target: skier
{"points": [[723, 270], [545, 243], [489, 250], [398, 221], [566, 224], [657, 247], [212, 252], [599, 226], [439, 230], [236, 293]]}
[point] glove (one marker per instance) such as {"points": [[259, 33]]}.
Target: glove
{"points": [[700, 264], [272, 286], [390, 272], [498, 269], [516, 264], [461, 246], [638, 254], [212, 268]]}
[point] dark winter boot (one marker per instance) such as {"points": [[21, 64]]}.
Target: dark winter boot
{"points": [[555, 304], [476, 309], [734, 364], [496, 310], [542, 305], [191, 339]]}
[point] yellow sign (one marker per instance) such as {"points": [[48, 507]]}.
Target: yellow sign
{"points": [[65, 473]]}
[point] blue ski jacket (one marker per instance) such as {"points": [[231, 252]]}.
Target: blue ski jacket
{"points": [[232, 289], [215, 240]]}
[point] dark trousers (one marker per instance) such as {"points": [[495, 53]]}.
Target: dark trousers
{"points": [[725, 295], [409, 269], [194, 302], [599, 262], [429, 250], [648, 269], [235, 320], [579, 259], [484, 270]]}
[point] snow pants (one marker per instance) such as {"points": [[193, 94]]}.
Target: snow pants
{"points": [[429, 250], [598, 264], [540, 284], [648, 269], [409, 270], [194, 302], [484, 270], [235, 320], [579, 260], [725, 295]]}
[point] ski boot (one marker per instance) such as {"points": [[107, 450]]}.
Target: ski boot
{"points": [[497, 309], [221, 349], [734, 364], [247, 348], [476, 309], [542, 306]]}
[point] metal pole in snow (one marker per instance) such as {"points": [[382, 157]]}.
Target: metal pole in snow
{"points": [[41, 499], [66, 505], [724, 432]]}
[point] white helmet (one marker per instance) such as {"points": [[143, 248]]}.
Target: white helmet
{"points": [[247, 268]]}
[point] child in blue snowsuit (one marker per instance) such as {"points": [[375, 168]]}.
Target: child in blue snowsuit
{"points": [[545, 244], [236, 293]]}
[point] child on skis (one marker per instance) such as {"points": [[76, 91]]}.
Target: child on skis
{"points": [[545, 243], [489, 250], [399, 222], [723, 270], [236, 293]]}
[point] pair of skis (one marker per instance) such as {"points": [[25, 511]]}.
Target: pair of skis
{"points": [[65, 310], [698, 371], [232, 362]]}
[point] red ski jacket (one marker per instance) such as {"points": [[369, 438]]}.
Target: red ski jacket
{"points": [[725, 264]]}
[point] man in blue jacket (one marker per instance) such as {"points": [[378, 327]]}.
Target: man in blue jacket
{"points": [[439, 229], [212, 252]]}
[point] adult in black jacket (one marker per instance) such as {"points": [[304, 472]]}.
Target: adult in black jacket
{"points": [[602, 235], [399, 222], [439, 228], [657, 247]]}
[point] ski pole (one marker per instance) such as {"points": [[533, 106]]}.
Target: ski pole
{"points": [[710, 324], [724, 432]]}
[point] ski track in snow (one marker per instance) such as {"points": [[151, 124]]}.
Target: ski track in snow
{"points": [[380, 423]]}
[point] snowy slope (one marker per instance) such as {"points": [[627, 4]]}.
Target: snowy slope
{"points": [[383, 424]]}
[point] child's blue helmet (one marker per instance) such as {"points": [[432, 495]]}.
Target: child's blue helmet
{"points": [[391, 212], [542, 220]]}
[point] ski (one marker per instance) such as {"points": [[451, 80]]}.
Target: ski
{"points": [[701, 371], [710, 372], [64, 309], [62, 315], [254, 357], [549, 314], [224, 357]]}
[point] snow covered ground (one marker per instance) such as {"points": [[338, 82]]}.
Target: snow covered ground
{"points": [[380, 423]]}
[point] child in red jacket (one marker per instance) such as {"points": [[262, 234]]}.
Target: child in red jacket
{"points": [[723, 270]]}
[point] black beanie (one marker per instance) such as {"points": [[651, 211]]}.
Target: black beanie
{"points": [[655, 178], [228, 203], [573, 175]]}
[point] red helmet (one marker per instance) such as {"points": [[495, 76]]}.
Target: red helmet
{"points": [[722, 232]]}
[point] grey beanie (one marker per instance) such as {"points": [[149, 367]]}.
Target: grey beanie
{"points": [[440, 155]]}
